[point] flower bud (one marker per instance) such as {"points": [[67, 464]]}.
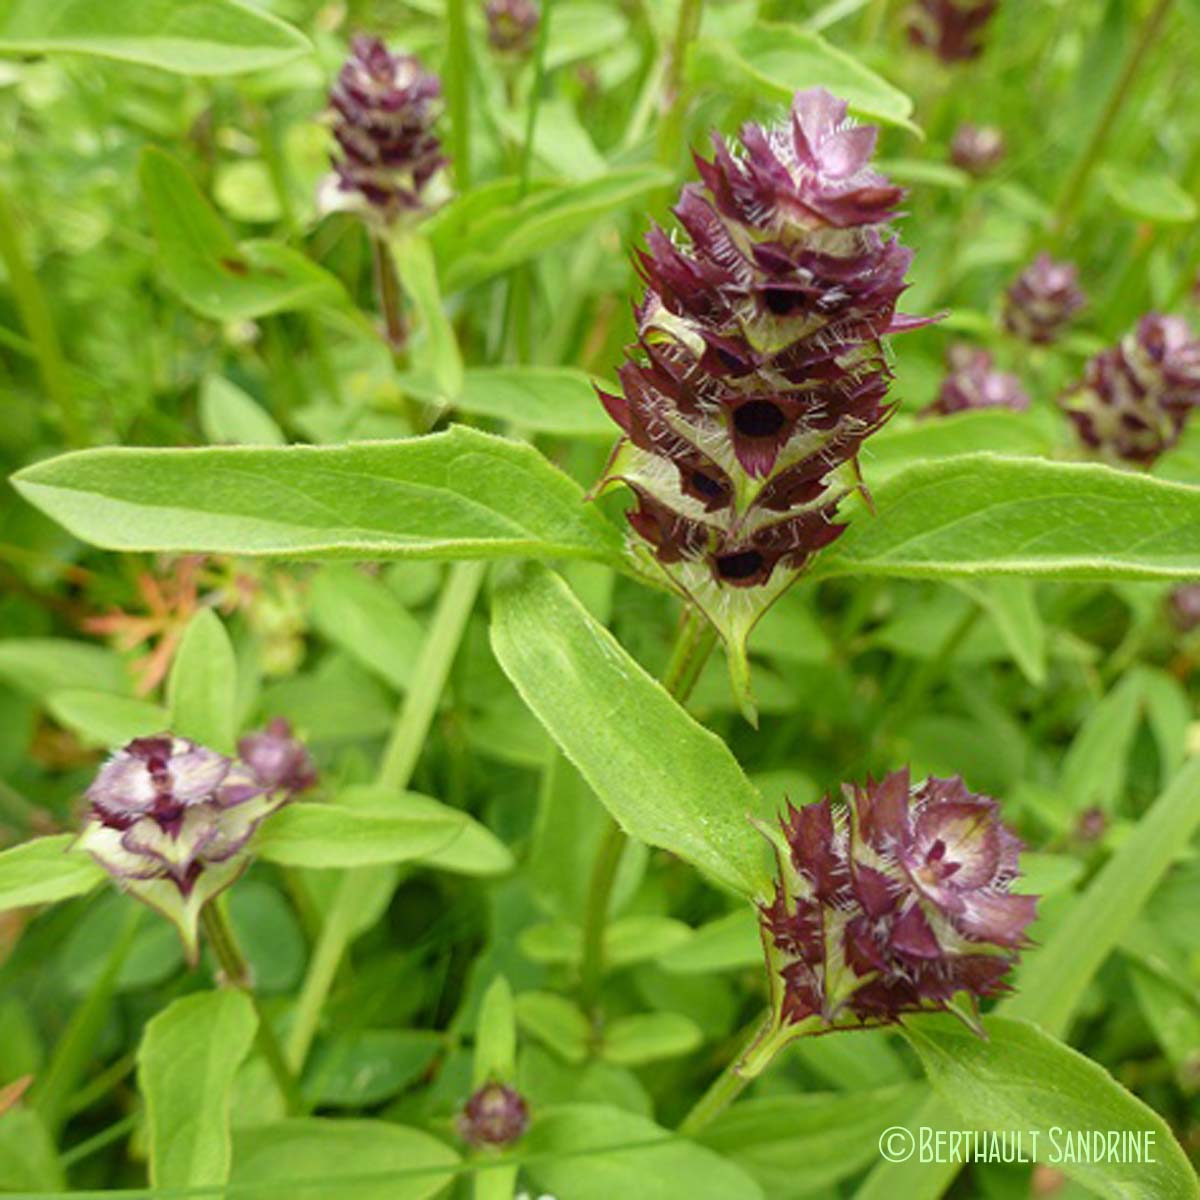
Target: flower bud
{"points": [[1042, 299], [758, 369], [1183, 605], [276, 759], [169, 821], [951, 29], [385, 106], [892, 904], [977, 149], [973, 382], [496, 1116], [1135, 397], [512, 26]]}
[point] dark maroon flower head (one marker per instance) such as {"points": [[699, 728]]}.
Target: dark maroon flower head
{"points": [[496, 1116], [974, 382], [977, 149], [893, 903], [1042, 299], [1135, 397], [951, 29], [759, 368], [278, 760], [512, 26], [1091, 824], [385, 106], [1183, 605]]}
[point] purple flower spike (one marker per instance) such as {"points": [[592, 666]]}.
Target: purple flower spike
{"points": [[1135, 397], [385, 106], [759, 368], [974, 382], [951, 29], [977, 149], [512, 26], [1042, 299], [892, 903], [278, 760], [495, 1116], [169, 820]]}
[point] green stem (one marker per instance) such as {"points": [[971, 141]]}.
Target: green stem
{"points": [[535, 98], [38, 320], [693, 644], [739, 1071], [458, 90], [1072, 192], [223, 942], [400, 758], [674, 95], [391, 302]]}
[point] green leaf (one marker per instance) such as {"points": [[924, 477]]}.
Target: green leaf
{"points": [[556, 1022], [1021, 1080], [771, 62], [979, 514], [649, 1037], [556, 400], [332, 835], [1174, 1016], [595, 1152], [495, 1036], [200, 37], [227, 414], [667, 780], [1149, 197], [627, 941], [366, 618], [202, 686], [474, 240], [28, 1158], [795, 1145], [187, 1059], [102, 719], [340, 1160], [1012, 606], [41, 666], [45, 870], [211, 272], [458, 494], [434, 352], [1095, 766], [367, 1066], [728, 943]]}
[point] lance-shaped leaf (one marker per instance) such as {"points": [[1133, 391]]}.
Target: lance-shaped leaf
{"points": [[666, 779], [980, 514], [202, 37], [458, 494], [45, 870]]}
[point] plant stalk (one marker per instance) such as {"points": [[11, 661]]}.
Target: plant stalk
{"points": [[236, 969], [674, 94], [458, 89], [391, 302], [1077, 181]]}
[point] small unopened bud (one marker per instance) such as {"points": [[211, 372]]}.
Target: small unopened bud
{"points": [[496, 1115], [1183, 604], [385, 106], [1135, 397], [1042, 299], [893, 903], [974, 382], [278, 760], [951, 29], [512, 26], [1091, 824], [977, 149]]}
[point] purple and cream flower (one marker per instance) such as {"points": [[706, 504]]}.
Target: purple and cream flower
{"points": [[951, 29], [973, 382], [1042, 300], [495, 1116], [389, 160], [512, 26], [759, 367], [1135, 398], [894, 902], [170, 819], [977, 149]]}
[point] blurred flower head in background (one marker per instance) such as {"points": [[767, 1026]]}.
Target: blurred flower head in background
{"points": [[512, 26], [951, 29], [973, 382], [1042, 300], [977, 149], [496, 1115]]}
